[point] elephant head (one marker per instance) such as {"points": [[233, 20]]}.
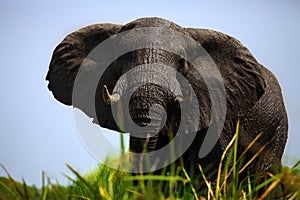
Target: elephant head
{"points": [[142, 90], [153, 85]]}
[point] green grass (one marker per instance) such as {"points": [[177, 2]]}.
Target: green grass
{"points": [[11, 189], [107, 183]]}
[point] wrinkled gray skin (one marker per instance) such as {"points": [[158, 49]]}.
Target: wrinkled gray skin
{"points": [[253, 94]]}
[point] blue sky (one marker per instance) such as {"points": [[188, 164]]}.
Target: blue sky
{"points": [[39, 133]]}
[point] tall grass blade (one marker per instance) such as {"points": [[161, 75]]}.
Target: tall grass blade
{"points": [[7, 188], [25, 189], [241, 157], [218, 189], [155, 178], [271, 187], [210, 192], [264, 184], [249, 185], [294, 196], [191, 186], [44, 188], [252, 159], [296, 165], [103, 193], [135, 192], [81, 179], [14, 183], [250, 145], [235, 175]]}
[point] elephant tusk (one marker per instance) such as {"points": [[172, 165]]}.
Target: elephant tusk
{"points": [[109, 99], [190, 94], [189, 97], [178, 99]]}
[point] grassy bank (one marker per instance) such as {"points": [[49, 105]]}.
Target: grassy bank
{"points": [[107, 183]]}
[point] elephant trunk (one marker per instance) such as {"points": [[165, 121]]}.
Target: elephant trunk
{"points": [[147, 109], [143, 160], [148, 86]]}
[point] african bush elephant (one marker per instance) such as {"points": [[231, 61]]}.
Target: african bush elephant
{"points": [[146, 87]]}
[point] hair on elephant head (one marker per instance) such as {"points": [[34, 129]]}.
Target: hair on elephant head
{"points": [[144, 74]]}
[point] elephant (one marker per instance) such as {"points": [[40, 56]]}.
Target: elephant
{"points": [[158, 99]]}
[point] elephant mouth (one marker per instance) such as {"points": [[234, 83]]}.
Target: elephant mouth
{"points": [[143, 160], [143, 145]]}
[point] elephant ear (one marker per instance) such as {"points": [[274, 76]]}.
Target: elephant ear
{"points": [[70, 55], [242, 76]]}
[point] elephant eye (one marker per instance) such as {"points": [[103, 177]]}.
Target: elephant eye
{"points": [[183, 65], [117, 68], [181, 61]]}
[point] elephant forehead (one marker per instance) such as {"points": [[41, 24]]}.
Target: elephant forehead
{"points": [[154, 37], [149, 73], [154, 74], [147, 56], [151, 22]]}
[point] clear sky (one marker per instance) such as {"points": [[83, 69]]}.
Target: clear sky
{"points": [[38, 133]]}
